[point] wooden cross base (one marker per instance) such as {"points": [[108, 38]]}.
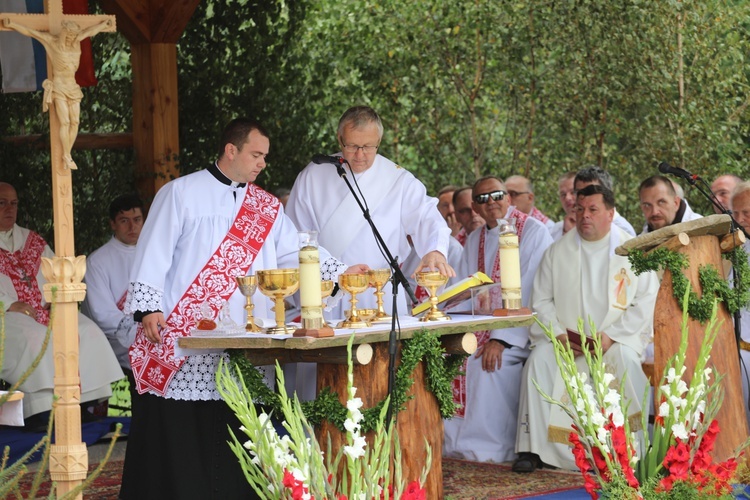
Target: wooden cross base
{"points": [[318, 333], [524, 311]]}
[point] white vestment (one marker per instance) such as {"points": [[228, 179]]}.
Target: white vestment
{"points": [[745, 354], [399, 206], [567, 286], [23, 342], [487, 432], [107, 279], [190, 216]]}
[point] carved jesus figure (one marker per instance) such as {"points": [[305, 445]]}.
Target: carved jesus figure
{"points": [[64, 52]]}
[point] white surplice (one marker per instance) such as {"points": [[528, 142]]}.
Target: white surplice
{"points": [[583, 279], [107, 279], [487, 432], [399, 206], [23, 341], [190, 216]]}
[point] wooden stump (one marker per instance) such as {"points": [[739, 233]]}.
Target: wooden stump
{"points": [[702, 250], [420, 420]]}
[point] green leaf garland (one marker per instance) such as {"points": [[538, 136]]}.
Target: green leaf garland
{"points": [[440, 370], [712, 284]]}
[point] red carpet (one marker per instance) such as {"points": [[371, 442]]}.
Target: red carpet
{"points": [[462, 481]]}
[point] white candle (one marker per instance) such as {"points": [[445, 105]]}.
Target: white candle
{"points": [[310, 296], [510, 270]]}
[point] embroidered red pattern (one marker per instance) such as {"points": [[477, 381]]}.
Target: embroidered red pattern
{"points": [[154, 365], [21, 267]]}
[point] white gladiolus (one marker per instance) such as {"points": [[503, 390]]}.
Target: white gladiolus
{"points": [[680, 432]]}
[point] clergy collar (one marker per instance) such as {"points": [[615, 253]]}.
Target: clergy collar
{"points": [[221, 177]]}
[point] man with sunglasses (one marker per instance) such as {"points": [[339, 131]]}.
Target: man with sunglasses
{"points": [[397, 202], [580, 277], [484, 428], [522, 197]]}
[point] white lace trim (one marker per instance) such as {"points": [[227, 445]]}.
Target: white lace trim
{"points": [[142, 297], [196, 378], [331, 268]]}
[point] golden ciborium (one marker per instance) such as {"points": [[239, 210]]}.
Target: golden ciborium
{"points": [[247, 286], [353, 284], [431, 281], [278, 284], [378, 278]]}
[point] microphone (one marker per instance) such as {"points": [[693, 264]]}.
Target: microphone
{"points": [[335, 160], [666, 168]]}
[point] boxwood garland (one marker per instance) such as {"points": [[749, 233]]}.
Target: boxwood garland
{"points": [[712, 284], [440, 370]]}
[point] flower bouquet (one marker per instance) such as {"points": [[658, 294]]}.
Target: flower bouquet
{"points": [[617, 463], [293, 466]]}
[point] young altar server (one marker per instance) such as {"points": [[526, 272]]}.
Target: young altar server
{"points": [[202, 231]]}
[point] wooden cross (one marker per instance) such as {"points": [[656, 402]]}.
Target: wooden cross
{"points": [[61, 36]]}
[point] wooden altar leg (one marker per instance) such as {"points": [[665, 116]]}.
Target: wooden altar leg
{"points": [[724, 355], [419, 421]]}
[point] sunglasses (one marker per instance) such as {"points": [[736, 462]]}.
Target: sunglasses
{"points": [[485, 197]]}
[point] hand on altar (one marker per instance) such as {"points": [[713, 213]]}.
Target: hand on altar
{"points": [[492, 355], [357, 269], [152, 326], [435, 261], [23, 308]]}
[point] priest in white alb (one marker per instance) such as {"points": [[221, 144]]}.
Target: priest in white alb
{"points": [[580, 276], [484, 426], [398, 204], [27, 316]]}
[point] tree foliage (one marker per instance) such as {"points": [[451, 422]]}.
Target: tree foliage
{"points": [[464, 88]]}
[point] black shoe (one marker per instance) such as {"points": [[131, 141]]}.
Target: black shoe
{"points": [[527, 462]]}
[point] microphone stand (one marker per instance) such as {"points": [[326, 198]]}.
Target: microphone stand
{"points": [[706, 191], [397, 278]]}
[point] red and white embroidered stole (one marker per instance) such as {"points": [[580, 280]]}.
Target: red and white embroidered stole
{"points": [[538, 215], [459, 383], [154, 365], [21, 267]]}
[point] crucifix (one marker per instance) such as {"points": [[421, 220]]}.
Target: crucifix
{"points": [[61, 35]]}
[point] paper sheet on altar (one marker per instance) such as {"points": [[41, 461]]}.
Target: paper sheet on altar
{"points": [[11, 412]]}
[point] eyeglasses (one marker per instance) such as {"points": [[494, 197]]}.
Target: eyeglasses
{"points": [[365, 149], [513, 194], [485, 197]]}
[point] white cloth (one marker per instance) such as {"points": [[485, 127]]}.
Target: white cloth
{"points": [[190, 216], [107, 279], [623, 223], [559, 295], [398, 204], [556, 231], [487, 432], [23, 341], [686, 217], [745, 355]]}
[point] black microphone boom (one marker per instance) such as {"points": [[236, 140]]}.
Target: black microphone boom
{"points": [[666, 168], [334, 160]]}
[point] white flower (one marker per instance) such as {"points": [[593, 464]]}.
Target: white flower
{"points": [[664, 409], [681, 387], [608, 378], [671, 375], [351, 426], [617, 417], [680, 432], [612, 398]]}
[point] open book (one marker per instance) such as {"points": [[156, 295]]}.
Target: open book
{"points": [[575, 340], [456, 293]]}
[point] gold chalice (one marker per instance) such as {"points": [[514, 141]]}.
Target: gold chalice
{"points": [[278, 284], [326, 289], [432, 280], [247, 286], [378, 278], [353, 284], [367, 315]]}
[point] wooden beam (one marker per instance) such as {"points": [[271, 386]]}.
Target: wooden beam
{"points": [[155, 115], [155, 21], [83, 141]]}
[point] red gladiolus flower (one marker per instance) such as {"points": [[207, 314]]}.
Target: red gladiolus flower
{"points": [[414, 492]]}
